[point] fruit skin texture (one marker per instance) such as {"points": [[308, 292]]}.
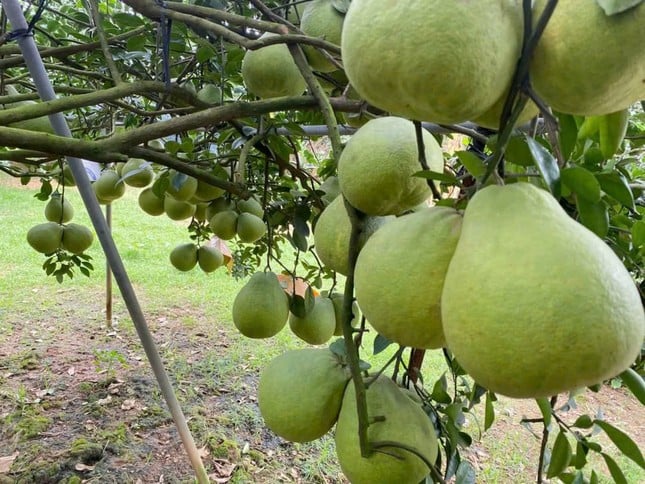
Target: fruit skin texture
{"points": [[376, 167], [261, 308], [58, 209], [151, 203], [184, 256], [142, 174], [76, 238], [300, 392], [108, 186], [400, 273], [405, 422], [176, 209], [181, 187], [224, 224], [271, 72], [321, 19], [46, 237], [250, 227], [318, 325], [332, 233], [534, 304], [588, 63], [432, 60], [209, 258]]}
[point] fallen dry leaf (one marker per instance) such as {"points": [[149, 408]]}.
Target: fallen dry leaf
{"points": [[6, 461], [83, 467]]}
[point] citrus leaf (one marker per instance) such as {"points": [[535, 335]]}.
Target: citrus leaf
{"points": [[594, 478], [616, 474], [638, 234], [616, 186], [560, 456], [435, 175], [465, 473], [624, 443], [589, 127], [612, 7], [594, 216], [473, 163], [547, 165], [583, 422], [613, 127], [635, 383], [338, 347], [517, 151], [582, 182], [380, 343], [568, 134], [580, 458], [545, 409], [489, 414]]}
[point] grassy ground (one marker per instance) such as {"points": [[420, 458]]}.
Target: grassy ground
{"points": [[78, 401]]}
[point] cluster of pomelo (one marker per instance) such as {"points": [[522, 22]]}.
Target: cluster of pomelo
{"points": [[58, 233]]}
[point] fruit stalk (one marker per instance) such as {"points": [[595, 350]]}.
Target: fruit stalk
{"points": [[350, 347]]}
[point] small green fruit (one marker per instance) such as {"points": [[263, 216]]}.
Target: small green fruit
{"points": [[184, 257], [250, 228], [251, 205], [137, 173], [77, 238], [210, 94], [261, 308], [108, 187], [46, 237], [59, 209], [181, 186], [318, 325], [209, 258], [224, 224], [151, 203], [176, 209]]}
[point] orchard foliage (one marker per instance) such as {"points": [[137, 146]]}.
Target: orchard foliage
{"points": [[162, 82]]}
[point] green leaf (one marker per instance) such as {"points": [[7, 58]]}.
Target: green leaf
{"points": [[580, 457], [635, 383], [473, 163], [560, 456], [545, 409], [613, 127], [616, 186], [582, 182], [489, 413], [518, 152], [338, 347], [616, 474], [624, 443], [568, 134], [612, 7], [435, 175], [638, 234], [301, 306], [583, 422], [594, 216], [380, 343], [547, 165], [593, 479], [439, 393], [465, 473]]}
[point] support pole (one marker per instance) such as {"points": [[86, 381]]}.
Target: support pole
{"points": [[108, 273], [36, 68]]}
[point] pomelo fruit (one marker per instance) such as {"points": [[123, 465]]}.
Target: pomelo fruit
{"points": [[293, 11], [271, 72], [224, 224], [206, 192], [534, 304], [320, 18], [151, 203], [59, 209], [40, 124], [318, 325], [76, 238], [177, 209], [182, 187], [332, 233], [251, 205], [261, 308], [587, 62], [108, 187], [403, 421], [250, 227], [490, 119], [209, 258], [337, 299], [376, 167], [400, 274], [184, 256], [218, 205], [300, 392], [210, 93], [137, 173], [432, 60], [45, 237]]}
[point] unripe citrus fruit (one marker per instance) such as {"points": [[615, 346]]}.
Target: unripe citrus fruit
{"points": [[137, 173], [218, 205], [176, 209], [46, 237], [300, 392], [271, 72], [209, 258], [184, 256], [321, 19], [182, 187], [250, 227], [151, 203], [224, 224], [207, 192], [210, 94], [76, 238], [376, 167], [251, 205], [108, 187], [432, 60], [261, 308], [59, 209], [318, 325]]}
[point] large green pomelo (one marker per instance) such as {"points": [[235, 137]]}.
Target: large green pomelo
{"points": [[318, 325], [76, 238], [45, 237], [59, 209], [432, 60], [332, 233], [151, 203], [376, 167], [108, 187], [181, 186], [404, 422], [224, 224], [271, 72], [206, 192], [321, 19], [137, 173], [588, 63], [300, 392], [261, 308], [251, 205], [177, 209], [250, 227], [400, 274], [294, 11], [534, 304], [209, 258], [184, 256]]}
